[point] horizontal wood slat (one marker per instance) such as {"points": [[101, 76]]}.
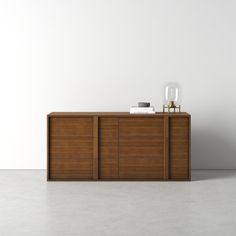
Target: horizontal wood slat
{"points": [[141, 127], [95, 147], [108, 129], [141, 167], [179, 148], [141, 161], [71, 126], [68, 147], [180, 128], [68, 168], [141, 173], [141, 146], [108, 151]]}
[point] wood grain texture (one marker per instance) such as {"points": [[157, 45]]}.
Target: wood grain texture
{"points": [[141, 148], [71, 148], [116, 114], [108, 148], [118, 146], [166, 148], [179, 148], [108, 129], [141, 167], [79, 126], [189, 148], [48, 148], [141, 126], [95, 147], [71, 168]]}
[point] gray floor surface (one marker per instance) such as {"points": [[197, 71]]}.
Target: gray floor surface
{"points": [[31, 206]]}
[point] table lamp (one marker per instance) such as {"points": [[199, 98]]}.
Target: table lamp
{"points": [[171, 97]]}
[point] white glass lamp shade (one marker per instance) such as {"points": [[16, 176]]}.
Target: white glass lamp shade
{"points": [[171, 93]]}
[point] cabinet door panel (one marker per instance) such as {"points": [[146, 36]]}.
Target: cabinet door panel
{"points": [[179, 147], [108, 148], [141, 148], [71, 148]]}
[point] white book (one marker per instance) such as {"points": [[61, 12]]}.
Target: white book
{"points": [[142, 110]]}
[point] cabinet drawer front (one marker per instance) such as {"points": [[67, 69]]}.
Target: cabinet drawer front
{"points": [[71, 168], [141, 126], [71, 126]]}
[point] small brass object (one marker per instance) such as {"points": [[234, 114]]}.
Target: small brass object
{"points": [[171, 106]]}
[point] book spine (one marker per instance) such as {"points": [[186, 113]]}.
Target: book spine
{"points": [[142, 112]]}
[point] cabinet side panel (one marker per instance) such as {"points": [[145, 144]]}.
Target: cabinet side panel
{"points": [[48, 148], [71, 148], [179, 142], [108, 148]]}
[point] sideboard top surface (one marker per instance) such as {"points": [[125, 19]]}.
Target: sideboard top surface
{"points": [[115, 114]]}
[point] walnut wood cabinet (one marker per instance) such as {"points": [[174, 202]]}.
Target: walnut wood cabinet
{"points": [[118, 146]]}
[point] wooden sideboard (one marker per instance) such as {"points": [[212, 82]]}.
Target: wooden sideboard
{"points": [[118, 146]]}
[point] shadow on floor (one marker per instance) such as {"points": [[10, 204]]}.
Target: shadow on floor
{"points": [[198, 175]]}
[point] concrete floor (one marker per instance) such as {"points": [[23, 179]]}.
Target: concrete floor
{"points": [[31, 206]]}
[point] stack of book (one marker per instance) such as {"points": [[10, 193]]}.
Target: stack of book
{"points": [[142, 110]]}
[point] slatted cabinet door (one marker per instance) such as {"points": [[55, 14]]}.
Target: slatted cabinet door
{"points": [[179, 146], [108, 148], [141, 148], [71, 148]]}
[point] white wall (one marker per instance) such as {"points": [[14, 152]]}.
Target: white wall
{"points": [[105, 55]]}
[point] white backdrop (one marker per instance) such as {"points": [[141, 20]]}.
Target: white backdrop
{"points": [[105, 55]]}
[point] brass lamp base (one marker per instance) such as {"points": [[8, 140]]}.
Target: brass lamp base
{"points": [[171, 106]]}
